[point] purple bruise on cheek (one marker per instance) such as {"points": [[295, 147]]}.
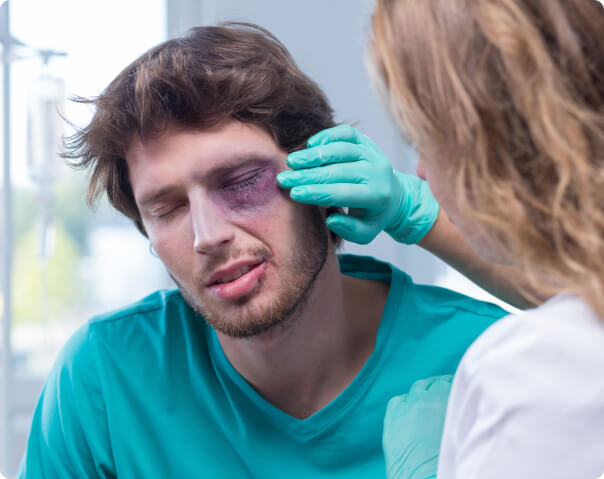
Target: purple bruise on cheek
{"points": [[255, 196]]}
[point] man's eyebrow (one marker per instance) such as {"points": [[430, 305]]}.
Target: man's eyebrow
{"points": [[155, 195], [237, 161]]}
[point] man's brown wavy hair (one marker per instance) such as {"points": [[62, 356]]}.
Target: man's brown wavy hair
{"points": [[234, 71], [507, 98]]}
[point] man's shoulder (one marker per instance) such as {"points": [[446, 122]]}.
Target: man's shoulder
{"points": [[427, 298], [152, 305], [365, 267], [439, 300], [126, 328]]}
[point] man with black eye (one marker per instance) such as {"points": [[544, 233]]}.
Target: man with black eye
{"points": [[274, 356]]}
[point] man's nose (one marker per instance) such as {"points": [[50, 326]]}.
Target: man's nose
{"points": [[211, 230]]}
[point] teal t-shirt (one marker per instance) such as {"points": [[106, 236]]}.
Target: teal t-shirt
{"points": [[147, 392]]}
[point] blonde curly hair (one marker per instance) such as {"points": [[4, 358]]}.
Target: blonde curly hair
{"points": [[507, 97]]}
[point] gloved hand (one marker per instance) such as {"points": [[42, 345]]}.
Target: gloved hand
{"points": [[342, 167], [413, 427]]}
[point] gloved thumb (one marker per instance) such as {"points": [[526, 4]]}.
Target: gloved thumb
{"points": [[351, 229]]}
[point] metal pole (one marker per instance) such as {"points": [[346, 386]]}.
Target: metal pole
{"points": [[7, 233]]}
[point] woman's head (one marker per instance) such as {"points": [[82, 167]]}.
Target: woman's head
{"points": [[504, 99]]}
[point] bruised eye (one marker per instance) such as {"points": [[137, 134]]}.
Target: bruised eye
{"points": [[245, 181]]}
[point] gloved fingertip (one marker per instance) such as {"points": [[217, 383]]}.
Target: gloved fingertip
{"points": [[397, 400], [293, 159], [298, 193], [333, 221], [317, 140], [339, 228], [281, 179], [442, 384]]}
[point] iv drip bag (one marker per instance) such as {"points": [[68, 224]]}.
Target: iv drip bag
{"points": [[45, 128]]}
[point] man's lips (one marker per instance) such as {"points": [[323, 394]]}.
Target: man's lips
{"points": [[229, 287], [231, 272]]}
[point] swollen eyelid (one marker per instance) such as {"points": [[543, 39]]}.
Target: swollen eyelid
{"points": [[250, 192], [245, 183]]}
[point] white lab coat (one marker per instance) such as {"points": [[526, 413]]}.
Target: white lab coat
{"points": [[528, 398]]}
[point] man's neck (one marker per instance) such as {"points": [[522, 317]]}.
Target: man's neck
{"points": [[303, 364]]}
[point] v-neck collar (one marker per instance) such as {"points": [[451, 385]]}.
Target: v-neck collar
{"points": [[321, 419]]}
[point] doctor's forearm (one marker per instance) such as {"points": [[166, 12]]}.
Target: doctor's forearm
{"points": [[449, 244]]}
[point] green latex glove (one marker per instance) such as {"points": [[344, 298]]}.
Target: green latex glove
{"points": [[413, 427], [342, 167]]}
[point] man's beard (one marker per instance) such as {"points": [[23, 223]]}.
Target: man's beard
{"points": [[297, 278]]}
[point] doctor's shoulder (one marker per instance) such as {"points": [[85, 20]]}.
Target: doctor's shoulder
{"points": [[531, 387]]}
